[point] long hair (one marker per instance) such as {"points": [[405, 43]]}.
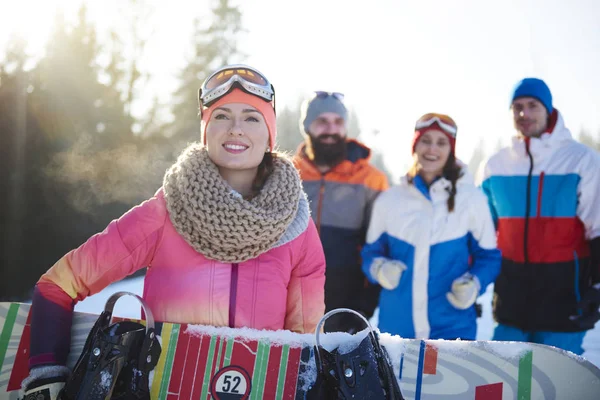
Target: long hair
{"points": [[265, 168], [451, 171]]}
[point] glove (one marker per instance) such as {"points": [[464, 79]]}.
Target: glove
{"points": [[45, 383], [387, 272], [464, 291], [589, 305]]}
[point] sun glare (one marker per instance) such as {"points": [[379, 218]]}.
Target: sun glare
{"points": [[32, 20]]}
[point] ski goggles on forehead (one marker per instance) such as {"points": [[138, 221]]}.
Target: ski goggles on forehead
{"points": [[443, 121], [321, 94], [223, 80]]}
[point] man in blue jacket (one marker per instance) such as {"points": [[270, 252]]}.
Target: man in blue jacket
{"points": [[544, 192]]}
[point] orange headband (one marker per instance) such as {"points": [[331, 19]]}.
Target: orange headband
{"points": [[239, 96]]}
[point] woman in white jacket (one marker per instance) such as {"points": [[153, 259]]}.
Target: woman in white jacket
{"points": [[431, 243]]}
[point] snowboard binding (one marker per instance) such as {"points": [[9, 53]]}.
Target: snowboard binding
{"points": [[364, 373], [116, 359]]}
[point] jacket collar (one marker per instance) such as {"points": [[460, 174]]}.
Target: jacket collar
{"points": [[357, 157], [547, 143], [439, 189]]}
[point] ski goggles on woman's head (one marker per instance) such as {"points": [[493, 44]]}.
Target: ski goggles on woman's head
{"points": [[220, 82], [446, 123], [321, 94]]}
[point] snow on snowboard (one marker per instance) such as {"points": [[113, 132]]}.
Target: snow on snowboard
{"points": [[198, 362]]}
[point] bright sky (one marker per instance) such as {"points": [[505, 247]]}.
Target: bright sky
{"points": [[394, 60]]}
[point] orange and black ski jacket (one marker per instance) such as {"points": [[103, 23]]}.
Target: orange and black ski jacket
{"points": [[341, 200]]}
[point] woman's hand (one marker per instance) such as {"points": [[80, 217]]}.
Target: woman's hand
{"points": [[387, 272], [464, 291]]}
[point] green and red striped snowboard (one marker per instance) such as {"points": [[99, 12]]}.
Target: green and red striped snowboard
{"points": [[221, 363]]}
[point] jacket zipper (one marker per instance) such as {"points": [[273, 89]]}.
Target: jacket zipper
{"points": [[526, 229], [320, 203], [233, 294], [527, 206], [540, 191]]}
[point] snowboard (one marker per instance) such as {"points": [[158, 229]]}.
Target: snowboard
{"points": [[201, 362]]}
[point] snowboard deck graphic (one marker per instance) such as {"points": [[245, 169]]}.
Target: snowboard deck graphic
{"points": [[199, 362]]}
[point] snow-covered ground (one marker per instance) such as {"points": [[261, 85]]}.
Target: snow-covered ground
{"points": [[129, 307]]}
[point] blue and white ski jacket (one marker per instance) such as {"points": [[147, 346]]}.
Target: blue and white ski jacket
{"points": [[411, 223]]}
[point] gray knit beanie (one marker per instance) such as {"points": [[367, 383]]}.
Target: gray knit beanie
{"points": [[318, 105]]}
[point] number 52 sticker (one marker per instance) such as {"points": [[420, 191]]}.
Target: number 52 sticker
{"points": [[231, 383]]}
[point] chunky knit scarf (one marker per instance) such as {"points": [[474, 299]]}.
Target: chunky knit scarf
{"points": [[221, 225]]}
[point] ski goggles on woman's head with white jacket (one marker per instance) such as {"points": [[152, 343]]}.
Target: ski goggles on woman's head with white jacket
{"points": [[220, 82], [444, 122]]}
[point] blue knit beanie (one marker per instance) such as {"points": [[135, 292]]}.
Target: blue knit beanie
{"points": [[319, 105], [536, 88]]}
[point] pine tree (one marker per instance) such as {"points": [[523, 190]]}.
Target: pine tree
{"points": [[68, 158], [214, 46], [353, 125], [69, 100], [477, 157], [15, 176], [588, 139], [127, 74], [377, 160], [289, 135], [114, 99]]}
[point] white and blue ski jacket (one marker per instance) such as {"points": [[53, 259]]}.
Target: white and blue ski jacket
{"points": [[544, 194], [411, 223]]}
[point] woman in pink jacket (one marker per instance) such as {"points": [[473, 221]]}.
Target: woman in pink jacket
{"points": [[227, 240]]}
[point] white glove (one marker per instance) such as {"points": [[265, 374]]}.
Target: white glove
{"points": [[387, 272], [464, 291]]}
